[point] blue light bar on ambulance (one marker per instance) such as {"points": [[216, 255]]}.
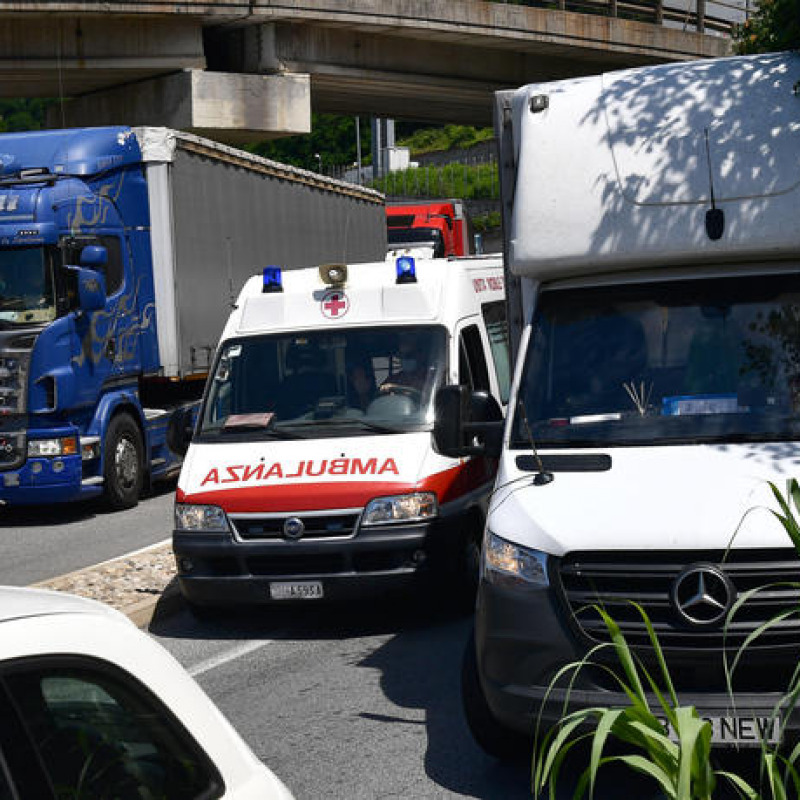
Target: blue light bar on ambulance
{"points": [[272, 280], [406, 270]]}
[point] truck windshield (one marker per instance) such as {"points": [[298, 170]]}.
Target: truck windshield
{"points": [[679, 362], [416, 237], [327, 383], [26, 285]]}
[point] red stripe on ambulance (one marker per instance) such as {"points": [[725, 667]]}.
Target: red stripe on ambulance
{"points": [[319, 495]]}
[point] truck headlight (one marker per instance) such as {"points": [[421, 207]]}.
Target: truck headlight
{"points": [[512, 565], [400, 508], [52, 448], [199, 518]]}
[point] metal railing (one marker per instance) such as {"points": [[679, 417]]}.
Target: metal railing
{"points": [[703, 16]]}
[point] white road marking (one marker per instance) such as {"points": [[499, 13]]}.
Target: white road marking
{"points": [[229, 655]]}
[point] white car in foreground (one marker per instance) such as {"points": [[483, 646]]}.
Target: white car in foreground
{"points": [[91, 708]]}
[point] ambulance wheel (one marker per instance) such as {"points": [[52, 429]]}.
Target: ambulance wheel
{"points": [[123, 469], [492, 737]]}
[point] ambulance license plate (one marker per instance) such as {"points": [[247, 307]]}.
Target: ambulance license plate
{"points": [[295, 590]]}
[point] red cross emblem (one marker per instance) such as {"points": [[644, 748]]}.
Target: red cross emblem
{"points": [[335, 304]]}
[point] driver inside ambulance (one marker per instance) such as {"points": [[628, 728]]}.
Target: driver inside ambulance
{"points": [[412, 359]]}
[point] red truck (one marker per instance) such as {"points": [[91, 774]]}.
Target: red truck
{"points": [[442, 225]]}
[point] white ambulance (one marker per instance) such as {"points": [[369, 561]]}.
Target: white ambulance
{"points": [[312, 473]]}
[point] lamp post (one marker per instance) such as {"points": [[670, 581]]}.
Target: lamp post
{"points": [[319, 162]]}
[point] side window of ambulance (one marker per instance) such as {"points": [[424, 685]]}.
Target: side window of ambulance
{"points": [[494, 316], [472, 369], [93, 728]]}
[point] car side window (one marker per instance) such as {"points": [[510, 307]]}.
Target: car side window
{"points": [[96, 729], [472, 361]]}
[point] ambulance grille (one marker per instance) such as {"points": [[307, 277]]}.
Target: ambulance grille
{"points": [[316, 526], [614, 579]]}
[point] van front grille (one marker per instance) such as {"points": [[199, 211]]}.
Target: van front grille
{"points": [[615, 580]]}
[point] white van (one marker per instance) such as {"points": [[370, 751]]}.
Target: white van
{"points": [[653, 260], [312, 474]]}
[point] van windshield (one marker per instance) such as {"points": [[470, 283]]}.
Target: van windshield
{"points": [[327, 383], [679, 362]]}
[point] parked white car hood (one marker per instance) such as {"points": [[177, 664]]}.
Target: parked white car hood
{"points": [[652, 498]]}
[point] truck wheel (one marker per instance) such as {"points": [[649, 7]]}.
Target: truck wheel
{"points": [[493, 738], [123, 469]]}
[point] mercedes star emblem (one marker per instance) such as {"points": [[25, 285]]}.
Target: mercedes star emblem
{"points": [[703, 595]]}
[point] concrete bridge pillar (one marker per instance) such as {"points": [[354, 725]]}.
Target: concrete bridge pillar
{"points": [[229, 107]]}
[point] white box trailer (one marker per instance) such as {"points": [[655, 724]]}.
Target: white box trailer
{"points": [[220, 214]]}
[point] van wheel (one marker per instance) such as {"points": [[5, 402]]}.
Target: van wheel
{"points": [[123, 461], [493, 738]]}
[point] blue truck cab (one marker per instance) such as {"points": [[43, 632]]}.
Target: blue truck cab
{"points": [[77, 320], [112, 295]]}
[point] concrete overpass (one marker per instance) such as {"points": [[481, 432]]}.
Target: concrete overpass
{"points": [[240, 70]]}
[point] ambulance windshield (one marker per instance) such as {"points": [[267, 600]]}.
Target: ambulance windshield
{"points": [[326, 383], [706, 360]]}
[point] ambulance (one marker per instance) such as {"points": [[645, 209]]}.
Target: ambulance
{"points": [[312, 473]]}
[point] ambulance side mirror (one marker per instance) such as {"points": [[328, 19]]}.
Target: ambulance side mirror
{"points": [[467, 423]]}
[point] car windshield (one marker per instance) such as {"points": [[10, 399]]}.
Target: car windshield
{"points": [[26, 285], [678, 362], [325, 383]]}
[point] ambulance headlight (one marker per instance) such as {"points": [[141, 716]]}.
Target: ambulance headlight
{"points": [[414, 507], [509, 564], [199, 518]]}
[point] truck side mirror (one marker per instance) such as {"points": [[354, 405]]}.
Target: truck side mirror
{"points": [[94, 256], [91, 288], [467, 424], [181, 428]]}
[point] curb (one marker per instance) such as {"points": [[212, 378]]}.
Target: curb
{"points": [[116, 581], [147, 611]]}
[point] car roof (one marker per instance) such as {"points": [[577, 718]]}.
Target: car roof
{"points": [[21, 602]]}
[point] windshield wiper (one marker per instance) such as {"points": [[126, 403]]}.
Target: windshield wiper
{"points": [[348, 422]]}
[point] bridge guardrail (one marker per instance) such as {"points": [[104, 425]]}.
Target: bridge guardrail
{"points": [[703, 16]]}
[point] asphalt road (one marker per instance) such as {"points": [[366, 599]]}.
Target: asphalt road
{"points": [[354, 701], [37, 543]]}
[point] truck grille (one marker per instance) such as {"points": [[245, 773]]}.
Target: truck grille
{"points": [[649, 579], [13, 382], [315, 526]]}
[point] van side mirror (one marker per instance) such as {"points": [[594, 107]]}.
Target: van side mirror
{"points": [[90, 288], [467, 423]]}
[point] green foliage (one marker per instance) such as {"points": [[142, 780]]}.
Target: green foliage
{"points": [[774, 26], [332, 136], [23, 115], [681, 767], [486, 222], [450, 137], [470, 182]]}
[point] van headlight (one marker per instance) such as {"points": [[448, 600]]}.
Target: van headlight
{"points": [[413, 507], [199, 518], [510, 564]]}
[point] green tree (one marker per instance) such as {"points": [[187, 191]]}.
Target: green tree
{"points": [[774, 26], [332, 136], [23, 115]]}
